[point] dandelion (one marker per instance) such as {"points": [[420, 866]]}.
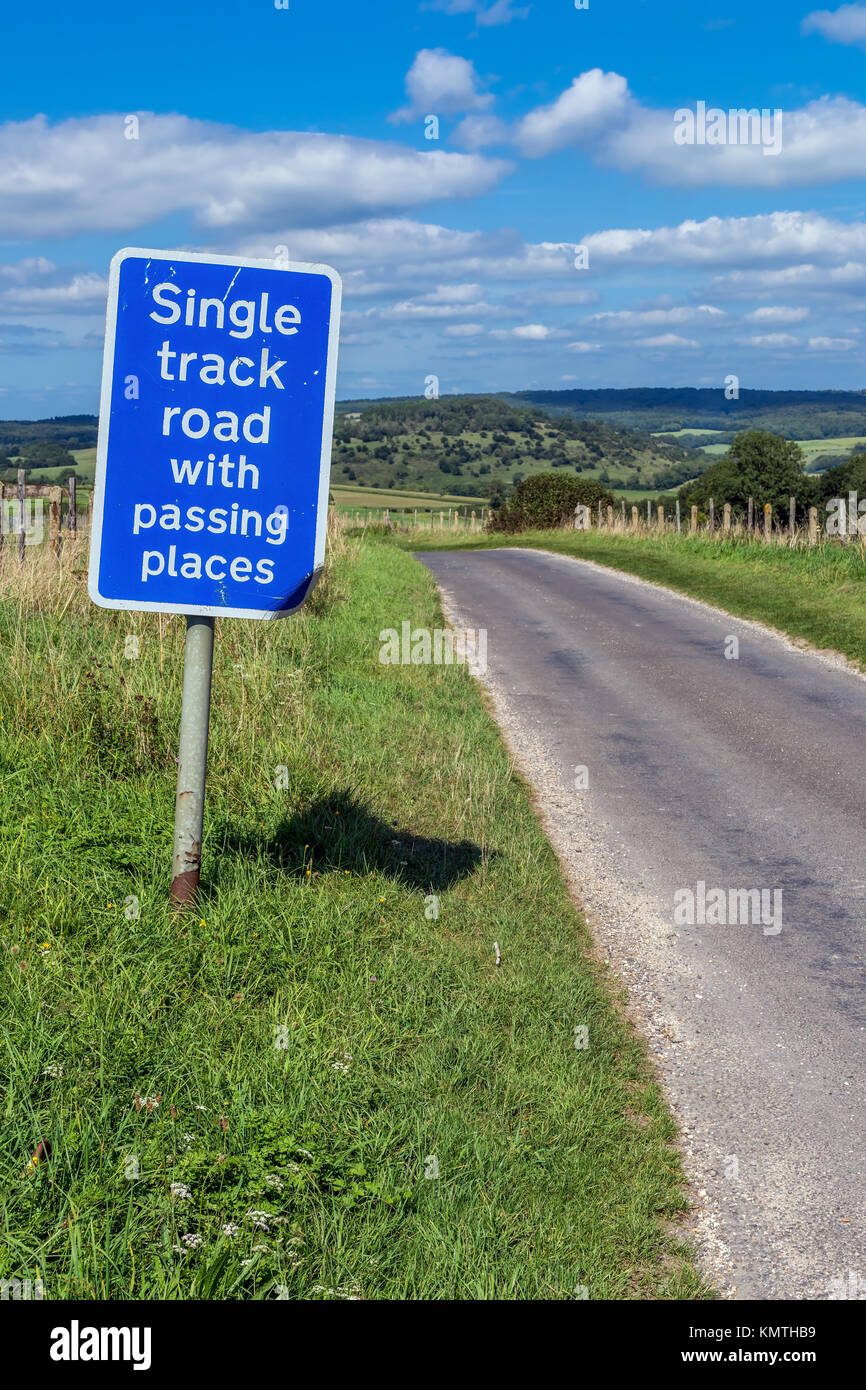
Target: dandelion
{"points": [[180, 1189], [44, 948]]}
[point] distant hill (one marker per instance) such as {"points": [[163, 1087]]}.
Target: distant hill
{"points": [[793, 414], [476, 444]]}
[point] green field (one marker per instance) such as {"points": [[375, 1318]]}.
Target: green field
{"points": [[320, 1082]]}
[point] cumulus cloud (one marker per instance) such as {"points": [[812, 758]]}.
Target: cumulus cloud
{"points": [[667, 340], [529, 332], [443, 84], [778, 313], [845, 25], [594, 100], [773, 340], [646, 318], [821, 142], [81, 175], [36, 285], [485, 15], [736, 241]]}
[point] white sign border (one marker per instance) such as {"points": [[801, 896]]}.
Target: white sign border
{"points": [[209, 610]]}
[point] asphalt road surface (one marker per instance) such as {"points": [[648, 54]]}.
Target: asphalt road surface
{"points": [[744, 772]]}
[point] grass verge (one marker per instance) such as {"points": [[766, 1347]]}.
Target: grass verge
{"points": [[258, 1098], [816, 594]]}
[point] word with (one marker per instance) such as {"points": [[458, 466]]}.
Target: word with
{"points": [[735, 127], [431, 910], [738, 907], [441, 647], [431, 1166], [732, 648]]}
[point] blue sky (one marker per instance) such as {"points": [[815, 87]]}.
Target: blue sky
{"points": [[306, 127]]}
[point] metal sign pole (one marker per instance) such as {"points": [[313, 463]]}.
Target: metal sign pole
{"points": [[192, 759]]}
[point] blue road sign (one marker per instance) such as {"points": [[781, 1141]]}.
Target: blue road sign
{"points": [[215, 429]]}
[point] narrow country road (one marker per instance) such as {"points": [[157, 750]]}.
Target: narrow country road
{"points": [[736, 773]]}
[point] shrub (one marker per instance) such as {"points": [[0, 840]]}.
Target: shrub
{"points": [[547, 501]]}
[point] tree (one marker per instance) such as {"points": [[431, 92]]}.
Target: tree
{"points": [[758, 464], [547, 501]]}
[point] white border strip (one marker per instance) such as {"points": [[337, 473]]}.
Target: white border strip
{"points": [[209, 610]]}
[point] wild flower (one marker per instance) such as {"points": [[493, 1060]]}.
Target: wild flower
{"points": [[260, 1220], [180, 1189], [274, 1180], [230, 1229], [53, 1069]]}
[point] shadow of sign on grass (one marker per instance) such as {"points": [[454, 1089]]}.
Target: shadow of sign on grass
{"points": [[340, 833]]}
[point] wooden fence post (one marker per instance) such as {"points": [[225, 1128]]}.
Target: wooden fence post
{"points": [[648, 514], [768, 521], [813, 525], [635, 523], [22, 521], [712, 521], [622, 504], [792, 516], [610, 518], [693, 523], [679, 518], [751, 521], [72, 512], [726, 519], [661, 518], [54, 508], [473, 522]]}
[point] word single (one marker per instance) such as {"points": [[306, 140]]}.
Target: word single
{"points": [[735, 127], [246, 314]]}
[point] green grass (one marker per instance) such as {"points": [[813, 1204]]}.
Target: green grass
{"points": [[314, 1023], [818, 594]]}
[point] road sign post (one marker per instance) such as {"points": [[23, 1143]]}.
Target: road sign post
{"points": [[213, 462]]}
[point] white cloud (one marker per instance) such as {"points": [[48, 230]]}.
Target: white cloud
{"points": [[581, 347], [778, 313], [38, 286], [736, 241], [593, 100], [486, 16], [832, 344], [628, 318], [773, 340], [821, 142], [668, 340], [81, 175], [845, 25], [463, 330], [442, 84], [530, 332], [476, 131]]}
